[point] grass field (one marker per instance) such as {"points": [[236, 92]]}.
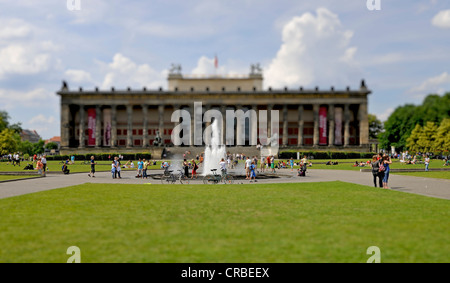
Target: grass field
{"points": [[55, 166], [430, 174], [13, 177], [310, 222]]}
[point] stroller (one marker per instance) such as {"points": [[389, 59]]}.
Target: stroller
{"points": [[28, 167], [301, 172]]}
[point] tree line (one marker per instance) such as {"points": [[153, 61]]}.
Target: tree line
{"points": [[11, 142], [419, 128]]}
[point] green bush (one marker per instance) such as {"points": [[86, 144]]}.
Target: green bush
{"points": [[100, 156], [326, 155]]}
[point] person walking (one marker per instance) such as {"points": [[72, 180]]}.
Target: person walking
{"points": [[252, 172], [44, 164], [194, 169], [93, 163], [113, 169], [118, 169], [427, 163], [376, 172], [186, 168], [272, 163], [39, 166], [248, 162], [386, 162], [140, 168], [291, 163], [144, 171]]}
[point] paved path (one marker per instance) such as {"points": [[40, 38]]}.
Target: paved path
{"points": [[438, 188]]}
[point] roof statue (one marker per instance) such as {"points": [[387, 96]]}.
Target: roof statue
{"points": [[175, 69]]}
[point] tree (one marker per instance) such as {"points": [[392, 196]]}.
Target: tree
{"points": [[412, 143], [427, 137], [398, 127], [375, 126], [26, 147], [404, 119], [51, 145], [442, 140], [4, 123], [8, 141], [38, 148]]}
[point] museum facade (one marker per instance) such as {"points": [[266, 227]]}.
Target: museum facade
{"points": [[134, 119]]}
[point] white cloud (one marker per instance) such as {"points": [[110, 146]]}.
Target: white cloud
{"points": [[42, 124], [206, 66], [14, 28], [438, 85], [442, 19], [316, 50], [25, 59], [78, 76], [36, 98], [123, 72], [385, 115]]}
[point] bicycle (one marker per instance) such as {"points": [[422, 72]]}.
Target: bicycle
{"points": [[170, 178], [85, 162], [215, 178]]}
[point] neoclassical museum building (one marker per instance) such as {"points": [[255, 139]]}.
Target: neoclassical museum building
{"points": [[131, 120]]}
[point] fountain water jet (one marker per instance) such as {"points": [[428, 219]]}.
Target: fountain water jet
{"points": [[214, 152]]}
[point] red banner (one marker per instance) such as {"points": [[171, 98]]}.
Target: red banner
{"points": [[91, 126], [323, 126]]}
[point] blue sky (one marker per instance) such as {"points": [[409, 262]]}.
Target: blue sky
{"points": [[402, 50]]}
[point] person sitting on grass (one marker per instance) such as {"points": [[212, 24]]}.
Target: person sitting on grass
{"points": [[65, 170]]}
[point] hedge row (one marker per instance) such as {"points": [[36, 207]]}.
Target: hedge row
{"points": [[101, 156], [327, 155]]}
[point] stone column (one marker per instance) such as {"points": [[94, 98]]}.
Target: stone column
{"points": [[316, 124], [113, 126], [82, 136], [65, 118], [346, 125], [285, 125], [176, 139], [269, 121], [207, 140], [161, 121], [239, 130], [331, 125], [129, 126], [223, 110], [98, 126], [254, 125], [145, 125], [300, 125], [363, 125]]}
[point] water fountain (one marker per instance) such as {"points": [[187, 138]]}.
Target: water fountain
{"points": [[214, 152]]}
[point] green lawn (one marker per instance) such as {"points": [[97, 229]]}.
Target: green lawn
{"points": [[308, 222], [14, 177], [75, 168], [429, 174]]}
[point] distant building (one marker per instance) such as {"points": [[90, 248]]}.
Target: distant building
{"points": [[30, 135], [131, 119]]}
